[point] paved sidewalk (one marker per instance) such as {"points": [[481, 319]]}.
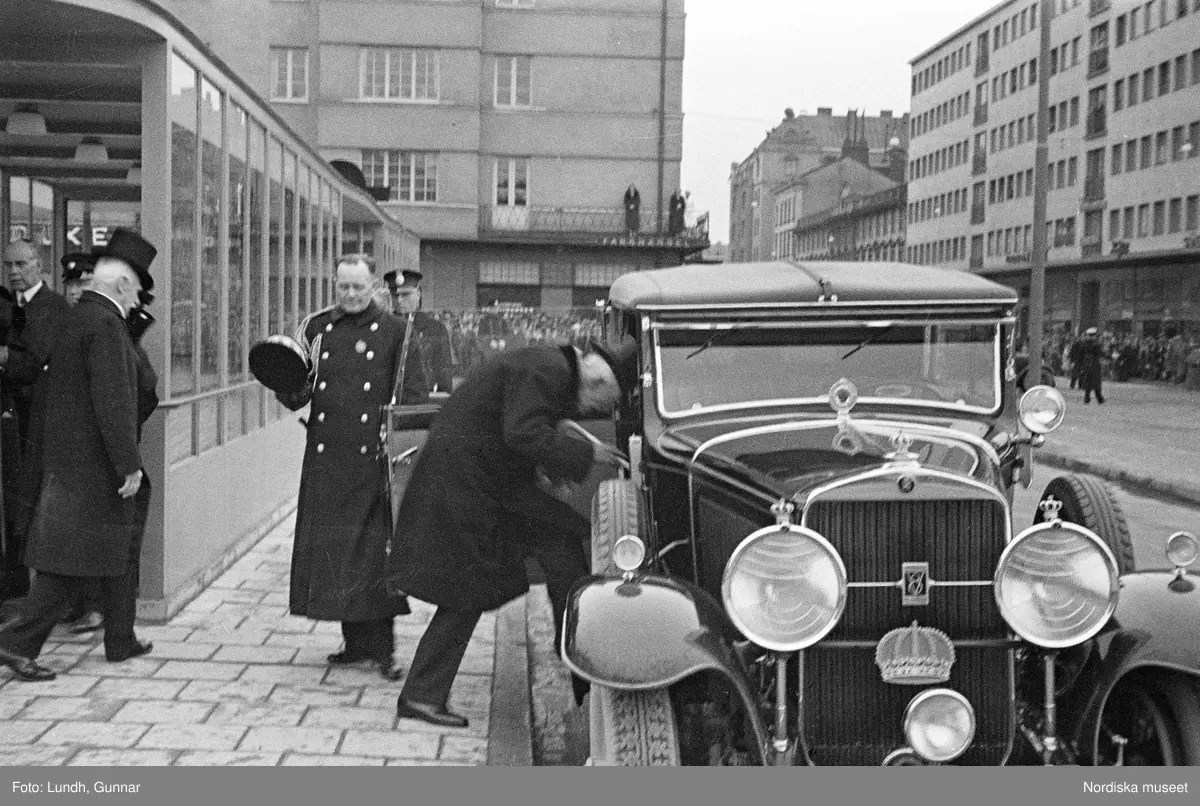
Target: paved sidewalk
{"points": [[234, 680], [1145, 436]]}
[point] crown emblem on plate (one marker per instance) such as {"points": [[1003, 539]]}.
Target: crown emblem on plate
{"points": [[915, 656]]}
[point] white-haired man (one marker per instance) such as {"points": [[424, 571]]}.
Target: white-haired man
{"points": [[85, 523]]}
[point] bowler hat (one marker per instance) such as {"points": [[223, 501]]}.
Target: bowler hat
{"points": [[77, 264], [621, 356], [129, 247]]}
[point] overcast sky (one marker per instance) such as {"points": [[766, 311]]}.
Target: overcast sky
{"points": [[747, 61]]}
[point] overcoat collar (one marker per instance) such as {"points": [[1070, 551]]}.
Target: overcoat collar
{"points": [[103, 301], [364, 317]]}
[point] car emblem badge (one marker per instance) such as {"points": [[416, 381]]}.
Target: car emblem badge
{"points": [[915, 656], [915, 585]]}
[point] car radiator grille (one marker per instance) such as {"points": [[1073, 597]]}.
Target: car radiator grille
{"points": [[850, 715]]}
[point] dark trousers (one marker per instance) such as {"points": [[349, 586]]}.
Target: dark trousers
{"points": [[441, 649], [369, 639], [51, 595], [1090, 386]]}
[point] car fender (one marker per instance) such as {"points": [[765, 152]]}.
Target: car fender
{"points": [[1156, 625]]}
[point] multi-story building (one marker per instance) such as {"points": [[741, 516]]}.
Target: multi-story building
{"points": [[797, 146], [1123, 203], [506, 133], [866, 227]]}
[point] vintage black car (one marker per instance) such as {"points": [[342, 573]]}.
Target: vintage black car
{"points": [[812, 558]]}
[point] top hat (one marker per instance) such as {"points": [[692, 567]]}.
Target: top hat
{"points": [[621, 356], [77, 264], [127, 246]]}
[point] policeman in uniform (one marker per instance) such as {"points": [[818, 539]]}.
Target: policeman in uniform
{"points": [[344, 516], [434, 338]]}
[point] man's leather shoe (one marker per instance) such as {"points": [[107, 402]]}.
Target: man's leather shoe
{"points": [[390, 670], [135, 650], [344, 658], [88, 622], [26, 669], [408, 709]]}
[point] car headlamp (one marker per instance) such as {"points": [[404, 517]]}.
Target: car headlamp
{"points": [[1182, 549], [1042, 409], [628, 552], [1056, 584], [939, 724], [785, 587]]}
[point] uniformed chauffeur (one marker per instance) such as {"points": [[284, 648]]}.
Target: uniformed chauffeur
{"points": [[344, 516]]}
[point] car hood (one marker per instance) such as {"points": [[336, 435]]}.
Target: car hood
{"points": [[789, 456]]}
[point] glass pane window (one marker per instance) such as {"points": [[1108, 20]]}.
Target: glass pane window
{"points": [[184, 147], [513, 81], [411, 176], [512, 182], [211, 264], [403, 74], [238, 192], [289, 74]]}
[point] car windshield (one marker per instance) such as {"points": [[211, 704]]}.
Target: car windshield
{"points": [[916, 363]]}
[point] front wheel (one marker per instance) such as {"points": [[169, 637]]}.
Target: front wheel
{"points": [[1151, 720], [633, 728]]}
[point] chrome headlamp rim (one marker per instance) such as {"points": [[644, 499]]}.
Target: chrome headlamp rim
{"points": [[1186, 543], [621, 556], [826, 546], [1034, 392], [929, 694], [1114, 586]]}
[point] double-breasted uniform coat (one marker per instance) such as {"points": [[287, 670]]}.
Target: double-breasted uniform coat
{"points": [[344, 515]]}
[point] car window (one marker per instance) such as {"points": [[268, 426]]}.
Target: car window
{"points": [[943, 363]]}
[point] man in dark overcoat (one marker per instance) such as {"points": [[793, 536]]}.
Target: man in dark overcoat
{"points": [[85, 524], [473, 509], [436, 353], [1091, 357], [40, 312], [344, 515]]}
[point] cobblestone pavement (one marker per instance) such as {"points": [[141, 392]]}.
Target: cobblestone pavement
{"points": [[235, 680]]}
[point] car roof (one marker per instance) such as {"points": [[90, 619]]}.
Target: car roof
{"points": [[784, 284]]}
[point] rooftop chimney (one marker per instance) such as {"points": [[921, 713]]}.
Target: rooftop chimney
{"points": [[824, 111], [886, 114], [789, 114]]}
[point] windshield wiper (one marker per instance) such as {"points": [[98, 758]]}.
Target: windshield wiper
{"points": [[869, 339], [720, 334]]}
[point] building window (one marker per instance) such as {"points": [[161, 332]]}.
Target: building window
{"points": [[1121, 23], [1133, 90], [1117, 155], [515, 3], [1160, 217], [509, 272], [1118, 95], [289, 69], [1175, 215], [512, 183], [1143, 220], [513, 81], [403, 74], [1160, 148], [1192, 221], [1146, 151], [410, 175]]}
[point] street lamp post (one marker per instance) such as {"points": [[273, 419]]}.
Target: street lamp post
{"points": [[1037, 273]]}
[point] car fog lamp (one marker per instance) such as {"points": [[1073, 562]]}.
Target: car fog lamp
{"points": [[1056, 584], [628, 552], [939, 724], [1042, 409], [785, 587], [1182, 549]]}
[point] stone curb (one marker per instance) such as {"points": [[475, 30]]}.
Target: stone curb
{"points": [[510, 733], [1188, 494]]}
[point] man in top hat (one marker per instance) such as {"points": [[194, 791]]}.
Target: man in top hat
{"points": [[85, 524], [434, 339], [1091, 356], [35, 328], [474, 509]]}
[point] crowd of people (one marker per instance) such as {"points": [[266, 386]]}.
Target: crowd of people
{"points": [[1170, 357]]}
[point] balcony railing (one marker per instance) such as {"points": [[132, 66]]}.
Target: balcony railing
{"points": [[1097, 122], [592, 223], [980, 114], [977, 213], [979, 163], [1097, 62], [1098, 7], [1093, 188]]}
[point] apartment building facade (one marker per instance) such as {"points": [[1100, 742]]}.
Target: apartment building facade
{"points": [[1123, 200], [506, 133], [761, 224]]}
